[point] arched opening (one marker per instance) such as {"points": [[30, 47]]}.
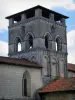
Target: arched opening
{"points": [[58, 44], [18, 45], [46, 41], [26, 84], [30, 42]]}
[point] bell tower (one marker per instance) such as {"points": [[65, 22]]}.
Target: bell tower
{"points": [[39, 34]]}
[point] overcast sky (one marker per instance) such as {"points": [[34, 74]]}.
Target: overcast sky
{"points": [[67, 7]]}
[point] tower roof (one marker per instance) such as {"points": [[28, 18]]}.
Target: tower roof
{"points": [[57, 15]]}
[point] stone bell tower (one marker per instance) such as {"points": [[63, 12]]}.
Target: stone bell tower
{"points": [[39, 34]]}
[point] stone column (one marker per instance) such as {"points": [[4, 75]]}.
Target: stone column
{"points": [[50, 44], [53, 45], [51, 16], [11, 21], [38, 12], [62, 21], [23, 17]]}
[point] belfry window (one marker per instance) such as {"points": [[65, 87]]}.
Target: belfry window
{"points": [[17, 45], [58, 44], [46, 41], [30, 41]]}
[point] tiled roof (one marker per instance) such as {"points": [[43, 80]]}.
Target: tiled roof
{"points": [[22, 62], [67, 84], [71, 67]]}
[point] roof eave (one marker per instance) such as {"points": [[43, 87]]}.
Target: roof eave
{"points": [[38, 6]]}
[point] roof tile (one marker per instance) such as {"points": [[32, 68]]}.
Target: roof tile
{"points": [[23, 62], [66, 84], [71, 67]]}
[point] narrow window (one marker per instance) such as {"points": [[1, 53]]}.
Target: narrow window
{"points": [[25, 87], [46, 41], [30, 42], [58, 44], [19, 46]]}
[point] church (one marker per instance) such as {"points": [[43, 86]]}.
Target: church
{"points": [[37, 64]]}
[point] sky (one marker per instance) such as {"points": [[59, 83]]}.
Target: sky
{"points": [[66, 7]]}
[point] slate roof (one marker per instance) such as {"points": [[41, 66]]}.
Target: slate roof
{"points": [[15, 61], [33, 8], [67, 84], [71, 67]]}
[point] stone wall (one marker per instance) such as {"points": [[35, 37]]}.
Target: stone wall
{"points": [[11, 80], [58, 96]]}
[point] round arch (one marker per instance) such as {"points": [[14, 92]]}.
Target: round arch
{"points": [[26, 84]]}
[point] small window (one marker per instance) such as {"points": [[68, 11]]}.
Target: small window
{"points": [[46, 41], [17, 19], [30, 42], [30, 14], [45, 13]]}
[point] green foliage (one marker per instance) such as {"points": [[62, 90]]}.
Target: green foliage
{"points": [[56, 78]]}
